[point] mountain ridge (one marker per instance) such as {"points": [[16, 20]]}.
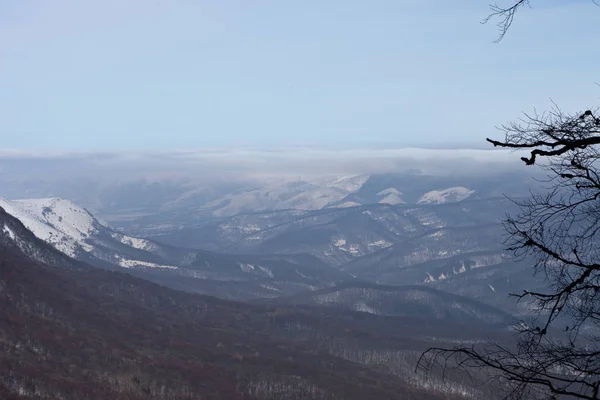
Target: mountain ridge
{"points": [[406, 300], [235, 276]]}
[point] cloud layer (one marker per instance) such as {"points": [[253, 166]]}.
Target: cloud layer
{"points": [[247, 163]]}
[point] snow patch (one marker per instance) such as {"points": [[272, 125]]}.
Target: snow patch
{"points": [[250, 228], [269, 287], [136, 243], [126, 263], [267, 271], [364, 307], [302, 275], [9, 232], [339, 242], [380, 244], [341, 245], [437, 233], [353, 249], [246, 267]]}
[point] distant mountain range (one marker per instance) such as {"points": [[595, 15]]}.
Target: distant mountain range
{"points": [[142, 204], [454, 247]]}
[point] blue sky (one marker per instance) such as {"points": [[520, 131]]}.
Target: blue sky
{"points": [[172, 74]]}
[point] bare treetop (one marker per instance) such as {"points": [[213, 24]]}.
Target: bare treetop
{"points": [[505, 15]]}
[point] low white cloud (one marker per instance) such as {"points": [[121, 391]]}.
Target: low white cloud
{"points": [[248, 163]]}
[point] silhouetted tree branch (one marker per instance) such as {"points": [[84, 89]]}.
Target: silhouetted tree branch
{"points": [[557, 352], [552, 134], [505, 15]]}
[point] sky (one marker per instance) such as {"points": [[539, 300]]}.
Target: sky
{"points": [[194, 74]]}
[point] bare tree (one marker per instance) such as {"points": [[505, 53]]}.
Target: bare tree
{"points": [[557, 351]]}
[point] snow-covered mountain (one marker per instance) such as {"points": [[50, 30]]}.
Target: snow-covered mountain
{"points": [[77, 233], [317, 194], [58, 222], [14, 235], [313, 194], [390, 196], [138, 204], [450, 195]]}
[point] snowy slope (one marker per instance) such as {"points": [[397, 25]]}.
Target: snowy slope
{"points": [[13, 234], [58, 222], [75, 232], [450, 195], [280, 195]]}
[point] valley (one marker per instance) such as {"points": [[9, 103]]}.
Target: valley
{"points": [[331, 280]]}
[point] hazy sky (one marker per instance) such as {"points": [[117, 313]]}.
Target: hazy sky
{"points": [[161, 74]]}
